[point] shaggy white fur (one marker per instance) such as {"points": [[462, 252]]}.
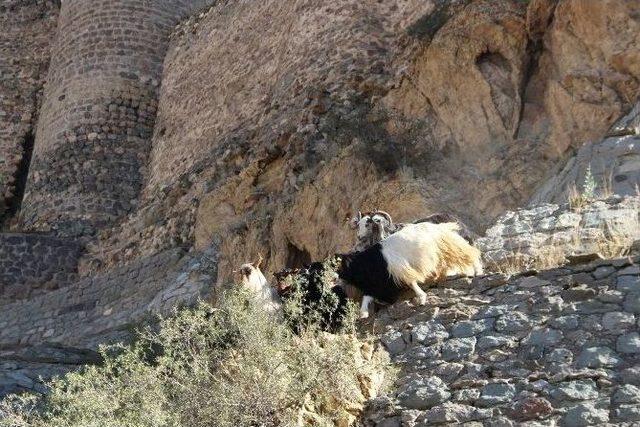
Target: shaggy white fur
{"points": [[254, 280], [426, 252]]}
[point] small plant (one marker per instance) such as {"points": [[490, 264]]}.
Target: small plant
{"points": [[321, 311], [590, 185], [579, 199]]}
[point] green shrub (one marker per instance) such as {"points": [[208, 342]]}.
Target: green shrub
{"points": [[228, 365], [311, 304]]}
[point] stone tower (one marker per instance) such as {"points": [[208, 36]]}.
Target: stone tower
{"points": [[93, 133], [25, 38]]}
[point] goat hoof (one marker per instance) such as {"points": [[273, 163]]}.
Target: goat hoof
{"points": [[420, 300], [364, 315]]}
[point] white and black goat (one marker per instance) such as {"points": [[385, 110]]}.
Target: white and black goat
{"points": [[416, 254], [254, 281], [367, 235]]}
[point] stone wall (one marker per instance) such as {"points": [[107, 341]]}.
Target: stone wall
{"points": [[559, 348], [22, 368], [545, 235], [28, 27], [92, 308], [94, 130], [32, 264], [56, 332]]}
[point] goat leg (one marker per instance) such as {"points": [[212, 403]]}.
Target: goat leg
{"points": [[364, 307], [421, 296]]}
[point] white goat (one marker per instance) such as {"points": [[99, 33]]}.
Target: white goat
{"points": [[253, 280], [367, 236]]}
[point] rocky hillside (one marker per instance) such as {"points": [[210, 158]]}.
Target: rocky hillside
{"points": [[265, 140], [143, 159], [558, 346]]}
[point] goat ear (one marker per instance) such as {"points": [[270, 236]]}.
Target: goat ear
{"points": [[258, 262], [353, 222]]}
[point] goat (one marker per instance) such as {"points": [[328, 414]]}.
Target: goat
{"points": [[363, 226], [254, 281], [416, 254], [367, 236]]}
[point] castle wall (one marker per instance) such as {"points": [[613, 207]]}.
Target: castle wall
{"points": [[94, 129], [32, 264], [56, 332], [28, 26]]}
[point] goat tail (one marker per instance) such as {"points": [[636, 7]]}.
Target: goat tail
{"points": [[478, 268], [456, 255]]}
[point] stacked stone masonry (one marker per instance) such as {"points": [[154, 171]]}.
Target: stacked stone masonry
{"points": [[28, 26], [558, 348], [56, 332], [94, 130], [32, 264]]}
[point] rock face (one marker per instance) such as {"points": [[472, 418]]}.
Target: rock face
{"points": [[263, 141], [543, 350], [423, 107], [545, 235], [614, 164]]}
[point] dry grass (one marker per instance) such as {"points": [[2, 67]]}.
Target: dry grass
{"points": [[546, 258], [610, 244], [577, 200], [606, 189]]}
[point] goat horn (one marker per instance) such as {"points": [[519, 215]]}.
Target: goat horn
{"points": [[359, 216], [386, 215]]}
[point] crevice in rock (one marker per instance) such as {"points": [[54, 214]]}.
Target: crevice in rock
{"points": [[20, 178], [535, 47], [297, 257], [496, 70], [534, 51]]}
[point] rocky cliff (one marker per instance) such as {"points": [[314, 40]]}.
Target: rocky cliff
{"points": [[173, 141], [552, 339], [266, 140]]}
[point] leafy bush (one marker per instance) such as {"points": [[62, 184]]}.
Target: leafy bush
{"points": [[310, 303], [228, 365]]}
